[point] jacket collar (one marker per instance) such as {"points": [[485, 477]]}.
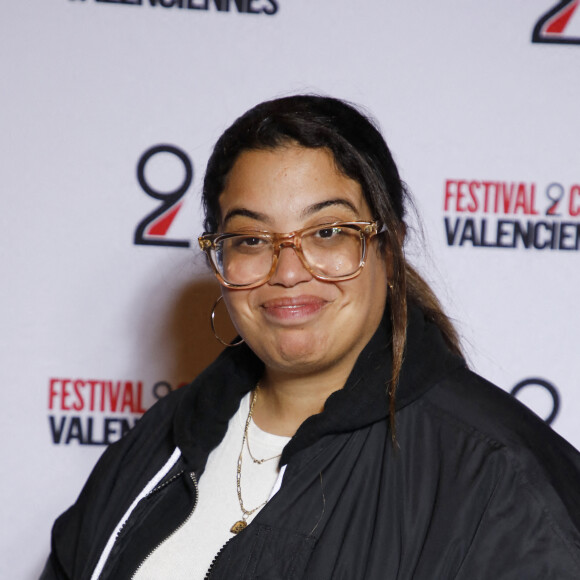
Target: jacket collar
{"points": [[202, 417]]}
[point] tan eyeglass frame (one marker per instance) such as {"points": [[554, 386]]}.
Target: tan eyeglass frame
{"points": [[293, 240]]}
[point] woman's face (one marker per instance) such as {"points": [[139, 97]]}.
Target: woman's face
{"points": [[294, 322]]}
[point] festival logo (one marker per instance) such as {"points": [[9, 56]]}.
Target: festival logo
{"points": [[559, 25], [511, 215], [97, 412], [153, 229], [267, 7], [532, 393]]}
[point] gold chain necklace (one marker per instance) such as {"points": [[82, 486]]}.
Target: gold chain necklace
{"points": [[241, 524], [247, 433]]}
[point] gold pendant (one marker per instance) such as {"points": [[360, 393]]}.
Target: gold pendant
{"points": [[238, 527]]}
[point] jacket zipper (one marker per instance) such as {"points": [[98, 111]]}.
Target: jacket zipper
{"points": [[155, 490], [275, 489], [106, 552], [194, 479], [215, 559]]}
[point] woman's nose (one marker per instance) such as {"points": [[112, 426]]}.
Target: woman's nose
{"points": [[289, 270]]}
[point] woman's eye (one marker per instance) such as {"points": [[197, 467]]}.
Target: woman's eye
{"points": [[329, 232], [248, 242], [252, 241]]}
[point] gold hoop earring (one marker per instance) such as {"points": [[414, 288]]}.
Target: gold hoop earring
{"points": [[213, 326]]}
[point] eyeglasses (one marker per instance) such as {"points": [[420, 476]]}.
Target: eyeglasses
{"points": [[330, 252]]}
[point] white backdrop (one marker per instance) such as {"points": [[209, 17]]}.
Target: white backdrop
{"points": [[483, 122]]}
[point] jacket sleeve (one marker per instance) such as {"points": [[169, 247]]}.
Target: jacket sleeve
{"points": [[528, 530], [79, 530], [52, 570], [80, 534]]}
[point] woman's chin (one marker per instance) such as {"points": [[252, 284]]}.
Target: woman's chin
{"points": [[295, 352]]}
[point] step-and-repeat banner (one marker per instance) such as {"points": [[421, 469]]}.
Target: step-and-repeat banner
{"points": [[109, 111]]}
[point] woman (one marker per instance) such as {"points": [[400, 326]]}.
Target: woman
{"points": [[343, 436]]}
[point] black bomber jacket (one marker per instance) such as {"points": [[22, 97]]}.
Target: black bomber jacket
{"points": [[476, 486]]}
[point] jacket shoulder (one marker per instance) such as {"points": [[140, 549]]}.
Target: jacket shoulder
{"points": [[533, 473], [479, 406]]}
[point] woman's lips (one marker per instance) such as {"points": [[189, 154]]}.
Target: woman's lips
{"points": [[293, 309]]}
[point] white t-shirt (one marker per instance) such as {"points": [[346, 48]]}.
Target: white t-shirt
{"points": [[190, 550]]}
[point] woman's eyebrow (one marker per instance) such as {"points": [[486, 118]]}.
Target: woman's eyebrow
{"points": [[306, 212], [242, 211], [314, 208]]}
